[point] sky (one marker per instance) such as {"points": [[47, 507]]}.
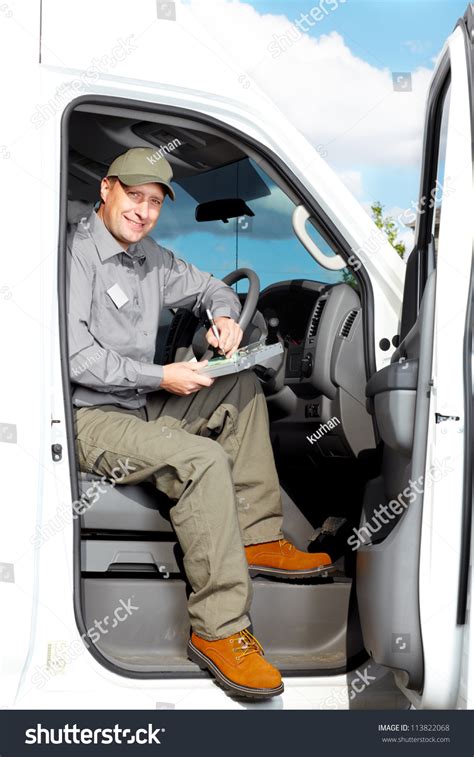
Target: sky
{"points": [[415, 29], [353, 80], [334, 79]]}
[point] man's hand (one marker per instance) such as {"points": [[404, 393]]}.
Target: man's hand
{"points": [[230, 335], [184, 378]]}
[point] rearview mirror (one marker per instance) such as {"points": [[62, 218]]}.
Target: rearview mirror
{"points": [[222, 210]]}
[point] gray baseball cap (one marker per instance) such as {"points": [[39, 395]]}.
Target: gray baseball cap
{"points": [[141, 165]]}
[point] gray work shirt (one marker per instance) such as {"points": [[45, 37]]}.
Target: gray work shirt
{"points": [[114, 303]]}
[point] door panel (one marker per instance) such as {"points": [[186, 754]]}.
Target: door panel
{"points": [[408, 569], [388, 565]]}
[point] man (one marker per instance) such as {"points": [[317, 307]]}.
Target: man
{"points": [[202, 441]]}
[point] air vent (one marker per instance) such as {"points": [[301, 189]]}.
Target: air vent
{"points": [[348, 323], [318, 311]]}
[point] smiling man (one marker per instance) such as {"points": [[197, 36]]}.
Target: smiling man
{"points": [[203, 442]]}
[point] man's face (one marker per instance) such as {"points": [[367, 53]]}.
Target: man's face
{"points": [[130, 213]]}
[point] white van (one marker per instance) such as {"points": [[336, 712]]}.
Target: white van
{"points": [[370, 404]]}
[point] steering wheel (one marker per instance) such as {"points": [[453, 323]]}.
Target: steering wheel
{"points": [[200, 347]]}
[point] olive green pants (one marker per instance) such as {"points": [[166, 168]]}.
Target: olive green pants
{"points": [[210, 452]]}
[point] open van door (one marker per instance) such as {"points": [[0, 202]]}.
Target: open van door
{"points": [[413, 540]]}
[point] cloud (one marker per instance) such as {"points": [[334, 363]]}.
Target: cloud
{"points": [[335, 98], [416, 46]]}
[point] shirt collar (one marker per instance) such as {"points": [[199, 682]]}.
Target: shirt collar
{"points": [[107, 245]]}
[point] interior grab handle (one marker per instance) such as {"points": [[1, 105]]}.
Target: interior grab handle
{"points": [[299, 218]]}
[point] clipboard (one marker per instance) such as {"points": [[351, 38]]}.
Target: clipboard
{"points": [[257, 353]]}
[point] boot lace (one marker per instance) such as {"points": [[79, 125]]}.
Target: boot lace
{"points": [[286, 543], [248, 644]]}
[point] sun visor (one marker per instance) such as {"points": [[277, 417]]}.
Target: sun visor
{"points": [[238, 179]]}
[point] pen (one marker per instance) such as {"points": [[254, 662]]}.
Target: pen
{"points": [[213, 324]]}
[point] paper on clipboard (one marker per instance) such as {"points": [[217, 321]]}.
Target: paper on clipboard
{"points": [[257, 353]]}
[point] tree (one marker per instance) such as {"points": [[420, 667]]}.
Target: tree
{"points": [[390, 228]]}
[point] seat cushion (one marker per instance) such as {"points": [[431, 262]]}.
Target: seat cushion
{"points": [[138, 507]]}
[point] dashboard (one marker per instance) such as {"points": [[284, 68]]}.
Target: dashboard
{"points": [[321, 328], [318, 391], [292, 302]]}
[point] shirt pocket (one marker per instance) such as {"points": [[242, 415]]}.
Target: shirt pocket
{"points": [[114, 326]]}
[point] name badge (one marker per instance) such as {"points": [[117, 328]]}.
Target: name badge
{"points": [[118, 297]]}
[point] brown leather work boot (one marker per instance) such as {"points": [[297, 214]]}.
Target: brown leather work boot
{"points": [[281, 559], [237, 664]]}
